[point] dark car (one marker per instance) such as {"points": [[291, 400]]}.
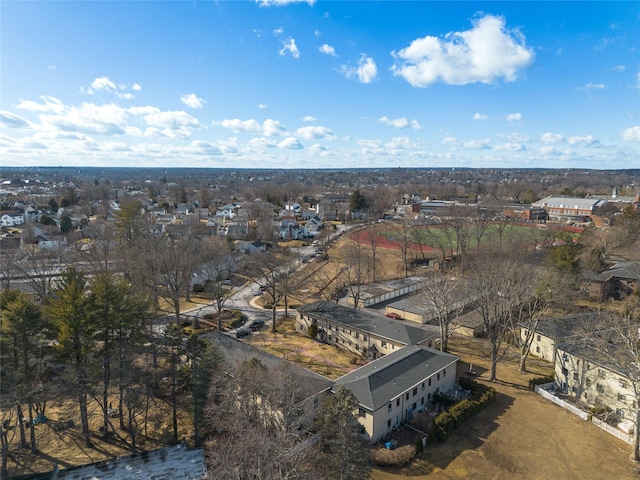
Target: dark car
{"points": [[242, 332], [256, 325]]}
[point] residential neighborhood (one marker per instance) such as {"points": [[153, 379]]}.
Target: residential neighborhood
{"points": [[245, 290]]}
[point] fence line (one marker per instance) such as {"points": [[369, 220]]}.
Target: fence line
{"points": [[542, 390]]}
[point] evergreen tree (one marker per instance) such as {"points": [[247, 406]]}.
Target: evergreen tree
{"points": [[343, 449]]}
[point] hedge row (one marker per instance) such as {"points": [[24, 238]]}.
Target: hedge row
{"points": [[541, 381], [447, 421]]}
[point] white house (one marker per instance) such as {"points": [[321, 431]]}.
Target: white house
{"points": [[313, 226], [12, 219], [392, 388]]}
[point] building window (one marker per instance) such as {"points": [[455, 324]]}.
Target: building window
{"points": [[623, 384], [620, 413], [429, 396], [588, 382], [602, 373], [585, 395], [364, 337], [538, 338], [357, 347], [415, 391], [444, 373], [406, 397], [438, 376], [356, 335], [599, 388], [575, 375], [383, 344], [574, 389], [429, 382], [389, 423], [565, 371], [362, 413], [398, 402], [537, 349], [389, 407], [422, 401], [423, 386], [620, 397]]}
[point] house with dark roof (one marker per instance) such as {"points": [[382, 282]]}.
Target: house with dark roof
{"points": [[362, 332], [620, 280], [552, 331], [167, 463], [393, 387]]}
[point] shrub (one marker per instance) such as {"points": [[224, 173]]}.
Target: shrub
{"points": [[396, 457], [541, 381], [312, 330]]}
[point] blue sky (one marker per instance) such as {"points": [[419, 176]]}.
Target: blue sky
{"points": [[320, 84]]}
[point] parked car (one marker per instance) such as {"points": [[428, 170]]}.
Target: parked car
{"points": [[257, 292], [256, 325], [242, 332], [393, 315]]}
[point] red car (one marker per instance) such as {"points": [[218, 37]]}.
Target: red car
{"points": [[393, 315]]}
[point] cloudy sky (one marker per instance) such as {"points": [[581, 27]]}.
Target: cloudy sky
{"points": [[320, 84]]}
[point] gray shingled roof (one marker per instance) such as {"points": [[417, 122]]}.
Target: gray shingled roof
{"points": [[570, 325], [166, 463], [378, 382], [626, 270], [362, 320]]}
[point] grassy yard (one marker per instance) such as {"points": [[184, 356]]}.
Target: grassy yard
{"points": [[520, 436]]}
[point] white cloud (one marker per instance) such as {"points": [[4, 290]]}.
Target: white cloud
{"points": [[549, 151], [480, 116], [136, 87], [486, 53], [366, 71], [318, 149], [619, 68], [477, 144], [237, 125], [12, 120], [50, 104], [587, 141], [399, 123], [327, 49], [510, 147], [201, 147], [514, 117], [278, 31], [592, 86], [279, 3], [314, 132], [451, 141], [262, 142], [263, 106], [104, 84], [289, 46], [272, 128], [291, 143], [631, 134], [516, 137], [172, 120], [552, 138], [191, 100], [309, 119], [88, 118]]}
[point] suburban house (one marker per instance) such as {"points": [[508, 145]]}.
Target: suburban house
{"points": [[552, 331], [359, 331], [570, 209], [11, 219], [620, 280], [312, 226], [390, 389], [55, 243], [31, 215], [251, 247], [584, 371], [290, 231]]}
